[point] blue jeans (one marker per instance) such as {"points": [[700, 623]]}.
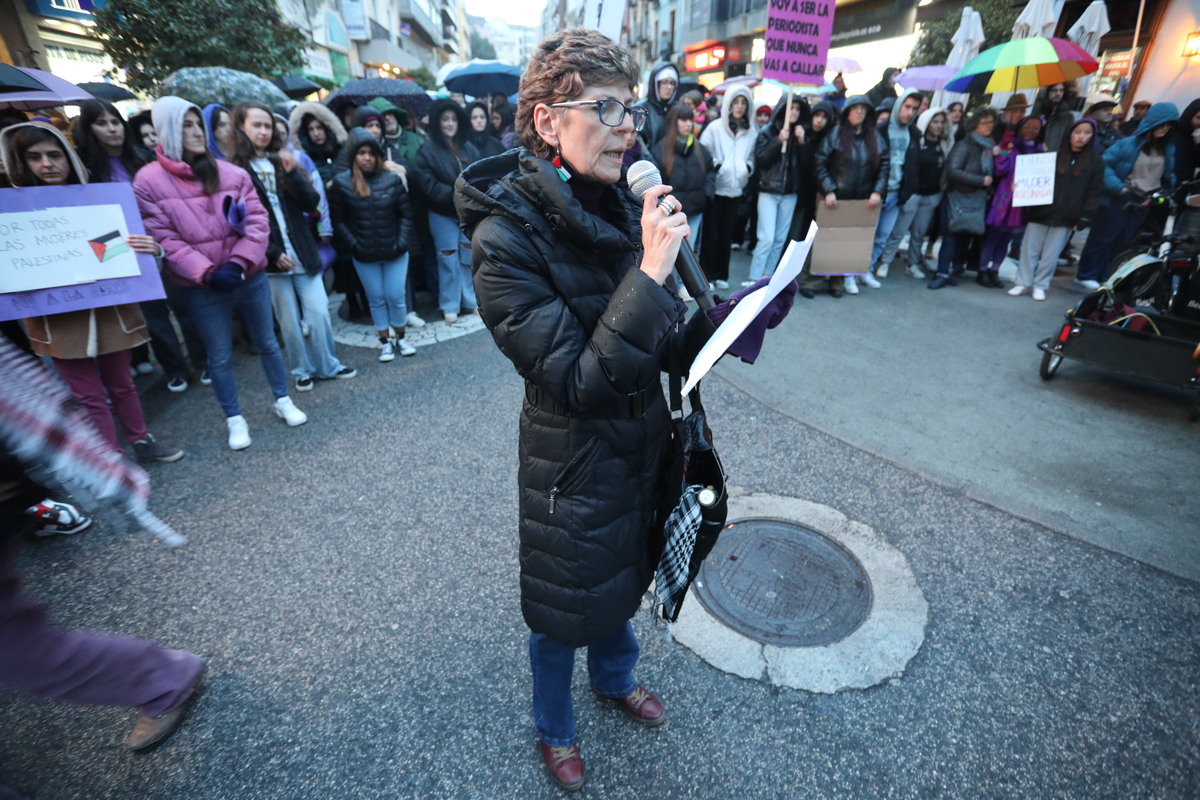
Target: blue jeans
{"points": [[1113, 228], [883, 228], [212, 311], [913, 219], [455, 290], [774, 220], [385, 282], [695, 221], [610, 669], [314, 356]]}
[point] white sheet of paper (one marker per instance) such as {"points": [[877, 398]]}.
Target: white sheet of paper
{"points": [[749, 307], [50, 248]]}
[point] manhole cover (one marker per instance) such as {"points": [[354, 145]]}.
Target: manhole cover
{"points": [[782, 583]]}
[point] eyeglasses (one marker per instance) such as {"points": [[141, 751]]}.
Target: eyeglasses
{"points": [[611, 112]]}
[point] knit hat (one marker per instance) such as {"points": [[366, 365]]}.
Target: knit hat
{"points": [[763, 109], [168, 113], [1017, 101]]}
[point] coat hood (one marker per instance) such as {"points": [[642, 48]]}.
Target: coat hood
{"points": [[9, 157], [661, 70], [168, 113], [894, 119], [804, 119], [927, 116], [385, 106], [727, 105], [1159, 114], [439, 107], [1185, 119], [209, 111], [304, 113], [859, 100], [356, 138]]}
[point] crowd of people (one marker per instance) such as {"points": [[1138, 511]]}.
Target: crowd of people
{"points": [[246, 210]]}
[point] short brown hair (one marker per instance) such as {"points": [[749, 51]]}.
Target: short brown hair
{"points": [[564, 64]]}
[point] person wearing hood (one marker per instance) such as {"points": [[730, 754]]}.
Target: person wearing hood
{"points": [[920, 190], [217, 122], [285, 188], [1134, 169], [902, 137], [1005, 221], [215, 231], [400, 144], [315, 130], [479, 133], [502, 119], [662, 86], [968, 179], [883, 111], [322, 226], [1187, 168], [437, 166], [778, 152], [91, 348], [730, 142], [374, 225], [886, 88], [852, 164], [1078, 187], [687, 168], [837, 98], [105, 144]]}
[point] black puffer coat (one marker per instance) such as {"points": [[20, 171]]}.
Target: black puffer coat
{"points": [[562, 294], [374, 228], [693, 178], [851, 176], [435, 169]]}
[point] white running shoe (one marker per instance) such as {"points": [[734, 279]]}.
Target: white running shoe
{"points": [[286, 410], [869, 280], [50, 517], [412, 320], [1017, 290], [239, 432], [881, 271], [721, 284], [1090, 285], [449, 318], [1039, 294], [851, 285], [405, 347], [387, 351], [915, 271]]}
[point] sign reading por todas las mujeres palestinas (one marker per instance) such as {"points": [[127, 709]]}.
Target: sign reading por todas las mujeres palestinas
{"points": [[797, 40]]}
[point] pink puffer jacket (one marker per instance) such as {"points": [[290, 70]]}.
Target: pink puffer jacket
{"points": [[191, 225]]}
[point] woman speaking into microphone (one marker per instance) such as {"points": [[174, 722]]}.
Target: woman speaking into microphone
{"points": [[573, 279]]}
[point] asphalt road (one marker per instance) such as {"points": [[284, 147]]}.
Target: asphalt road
{"points": [[353, 583]]}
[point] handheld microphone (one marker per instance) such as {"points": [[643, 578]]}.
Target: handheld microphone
{"points": [[644, 176]]}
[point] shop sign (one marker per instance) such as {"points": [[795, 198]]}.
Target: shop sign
{"points": [[72, 10], [708, 58]]}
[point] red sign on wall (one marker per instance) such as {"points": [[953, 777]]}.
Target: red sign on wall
{"points": [[709, 58]]}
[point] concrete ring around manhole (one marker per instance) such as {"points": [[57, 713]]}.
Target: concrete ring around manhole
{"points": [[877, 647], [358, 335]]}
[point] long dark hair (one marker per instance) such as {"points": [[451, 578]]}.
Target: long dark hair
{"points": [[742, 122], [1083, 160], [670, 127], [846, 136], [244, 150], [92, 153], [436, 110], [26, 138], [508, 116]]}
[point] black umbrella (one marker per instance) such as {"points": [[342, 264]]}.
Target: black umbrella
{"points": [[295, 86], [12, 79], [108, 91], [405, 94]]}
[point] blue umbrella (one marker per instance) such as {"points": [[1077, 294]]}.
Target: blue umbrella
{"points": [[484, 77]]}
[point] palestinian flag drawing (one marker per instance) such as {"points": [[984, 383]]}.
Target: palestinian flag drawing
{"points": [[108, 246]]}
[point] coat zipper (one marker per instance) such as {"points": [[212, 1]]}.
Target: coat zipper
{"points": [[583, 453]]}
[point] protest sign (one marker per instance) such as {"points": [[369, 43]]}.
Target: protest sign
{"points": [[62, 248], [1033, 180], [797, 40]]}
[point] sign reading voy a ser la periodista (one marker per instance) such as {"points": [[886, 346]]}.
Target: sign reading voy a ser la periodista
{"points": [[797, 40], [62, 248]]}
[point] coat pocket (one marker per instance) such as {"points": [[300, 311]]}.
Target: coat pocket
{"points": [[130, 318], [569, 476]]}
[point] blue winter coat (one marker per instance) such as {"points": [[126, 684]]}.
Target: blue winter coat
{"points": [[1120, 158]]}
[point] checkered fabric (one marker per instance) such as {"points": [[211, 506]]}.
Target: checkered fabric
{"points": [[671, 580]]}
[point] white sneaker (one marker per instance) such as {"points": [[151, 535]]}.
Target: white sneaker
{"points": [[851, 284], [869, 280], [406, 349], [721, 284], [387, 351], [287, 411], [239, 432], [412, 320], [881, 271], [449, 318], [1091, 286], [1039, 294], [1017, 290], [916, 272]]}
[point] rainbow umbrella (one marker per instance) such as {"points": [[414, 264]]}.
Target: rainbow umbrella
{"points": [[1023, 64]]}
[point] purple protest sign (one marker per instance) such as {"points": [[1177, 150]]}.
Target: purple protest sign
{"points": [[62, 249], [797, 40]]}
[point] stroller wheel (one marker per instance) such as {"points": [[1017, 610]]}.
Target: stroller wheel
{"points": [[1050, 364]]}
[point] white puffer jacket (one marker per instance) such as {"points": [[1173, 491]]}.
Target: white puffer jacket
{"points": [[732, 154]]}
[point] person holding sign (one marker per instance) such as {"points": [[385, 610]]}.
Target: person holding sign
{"points": [[1004, 220], [784, 162], [1078, 187], [90, 348], [214, 230]]}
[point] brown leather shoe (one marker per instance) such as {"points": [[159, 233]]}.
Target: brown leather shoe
{"points": [[150, 731], [643, 706], [565, 765]]}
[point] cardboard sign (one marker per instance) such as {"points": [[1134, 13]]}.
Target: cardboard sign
{"points": [[62, 248], [1033, 180], [843, 246], [797, 40]]}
